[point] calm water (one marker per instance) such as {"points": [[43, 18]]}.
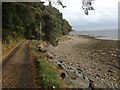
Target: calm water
{"points": [[103, 34]]}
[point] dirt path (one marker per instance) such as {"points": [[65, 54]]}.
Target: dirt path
{"points": [[96, 59], [17, 73]]}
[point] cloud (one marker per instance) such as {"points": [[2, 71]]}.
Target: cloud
{"points": [[105, 15]]}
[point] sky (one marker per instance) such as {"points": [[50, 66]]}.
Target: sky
{"points": [[104, 17]]}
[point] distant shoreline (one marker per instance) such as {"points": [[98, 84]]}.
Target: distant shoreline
{"points": [[93, 37], [102, 35]]}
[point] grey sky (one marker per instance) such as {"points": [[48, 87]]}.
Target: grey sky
{"points": [[104, 17]]}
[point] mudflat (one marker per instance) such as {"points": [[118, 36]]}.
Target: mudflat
{"points": [[98, 60]]}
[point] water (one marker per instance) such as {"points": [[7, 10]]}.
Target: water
{"points": [[103, 34]]}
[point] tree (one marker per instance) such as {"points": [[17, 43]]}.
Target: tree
{"points": [[32, 20], [66, 28]]}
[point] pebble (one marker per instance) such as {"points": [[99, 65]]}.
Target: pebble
{"points": [[100, 50], [92, 85], [79, 70], [63, 75], [79, 74], [86, 79], [113, 55], [60, 61], [103, 53], [97, 75], [48, 55], [99, 69], [110, 71]]}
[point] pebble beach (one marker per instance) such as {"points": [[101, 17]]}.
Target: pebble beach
{"points": [[88, 62]]}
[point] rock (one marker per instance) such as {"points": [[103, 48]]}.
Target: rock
{"points": [[79, 75], [92, 85], [40, 47], [99, 69], [100, 50], [93, 67], [90, 80], [44, 50], [110, 71], [98, 75], [71, 63], [53, 86], [84, 69], [73, 77], [63, 75], [86, 79], [113, 55], [49, 55], [60, 61], [79, 70], [103, 53], [73, 69], [60, 66]]}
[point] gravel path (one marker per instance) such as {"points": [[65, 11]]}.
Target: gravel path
{"points": [[17, 73], [96, 59]]}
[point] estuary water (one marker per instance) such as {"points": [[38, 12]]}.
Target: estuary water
{"points": [[100, 34]]}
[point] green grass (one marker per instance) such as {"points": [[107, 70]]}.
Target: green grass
{"points": [[48, 74], [7, 47]]}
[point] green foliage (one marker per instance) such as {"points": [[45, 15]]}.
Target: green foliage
{"points": [[32, 20], [66, 27], [48, 75]]}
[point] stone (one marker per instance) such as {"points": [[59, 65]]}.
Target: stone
{"points": [[103, 53], [44, 50], [91, 85], [60, 61], [99, 69], [40, 47], [110, 71], [53, 86], [49, 55], [63, 75], [79, 70], [60, 66], [97, 75]]}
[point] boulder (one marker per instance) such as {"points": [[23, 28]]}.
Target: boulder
{"points": [[40, 47], [49, 55], [60, 66], [63, 75]]}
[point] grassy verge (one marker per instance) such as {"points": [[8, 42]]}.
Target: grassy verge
{"points": [[48, 73], [7, 47]]}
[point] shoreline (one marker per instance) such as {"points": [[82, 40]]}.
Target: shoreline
{"points": [[99, 34], [97, 59], [89, 37]]}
